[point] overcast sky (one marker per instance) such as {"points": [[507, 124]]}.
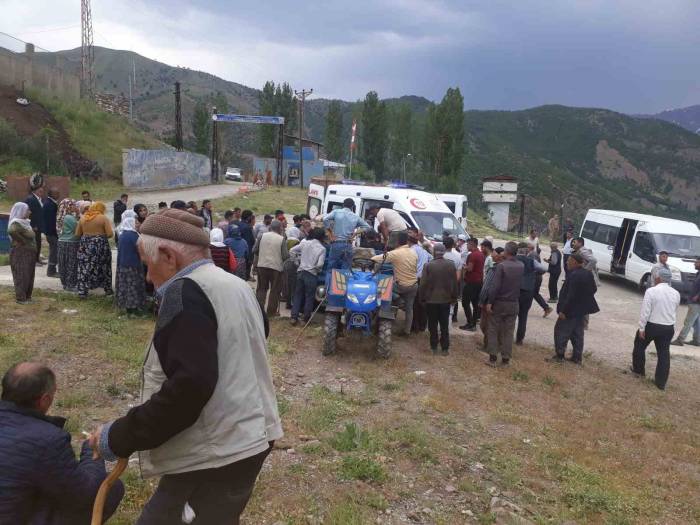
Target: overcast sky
{"points": [[636, 56]]}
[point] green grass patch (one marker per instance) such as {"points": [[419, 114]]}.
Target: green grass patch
{"points": [[72, 400], [362, 468], [352, 438], [655, 423], [549, 381], [347, 512], [324, 410], [413, 441], [520, 376], [4, 259], [291, 200]]}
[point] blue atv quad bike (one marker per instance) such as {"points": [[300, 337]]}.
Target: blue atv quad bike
{"points": [[364, 299]]}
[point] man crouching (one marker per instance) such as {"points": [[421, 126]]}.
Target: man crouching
{"points": [[41, 482], [209, 415]]}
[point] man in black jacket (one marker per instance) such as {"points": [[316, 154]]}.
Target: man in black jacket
{"points": [[49, 212], [35, 201], [554, 270], [40, 480], [576, 301]]}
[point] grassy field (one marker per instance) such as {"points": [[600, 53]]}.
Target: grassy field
{"points": [[371, 441], [291, 200]]}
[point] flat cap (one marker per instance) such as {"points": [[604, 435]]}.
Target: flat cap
{"points": [[176, 225]]}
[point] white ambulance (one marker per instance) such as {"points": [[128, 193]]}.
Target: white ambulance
{"points": [[419, 209], [627, 245]]}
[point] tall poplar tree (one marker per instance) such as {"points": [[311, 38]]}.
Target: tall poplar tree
{"points": [[334, 132], [374, 134]]}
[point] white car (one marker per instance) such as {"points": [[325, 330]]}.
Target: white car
{"points": [[233, 174]]}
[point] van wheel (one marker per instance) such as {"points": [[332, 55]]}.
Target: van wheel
{"points": [[330, 333], [645, 283]]}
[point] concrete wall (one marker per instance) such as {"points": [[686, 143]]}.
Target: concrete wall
{"points": [[164, 169], [498, 215], [17, 69]]}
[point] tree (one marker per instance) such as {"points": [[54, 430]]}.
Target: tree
{"points": [[201, 128], [334, 131], [443, 140], [266, 140], [401, 123], [374, 134]]}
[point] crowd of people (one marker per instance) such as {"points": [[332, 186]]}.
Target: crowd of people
{"points": [[208, 419]]}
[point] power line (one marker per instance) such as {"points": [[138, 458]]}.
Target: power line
{"points": [[74, 26]]}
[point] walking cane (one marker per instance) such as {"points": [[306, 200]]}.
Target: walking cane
{"points": [[99, 506]]}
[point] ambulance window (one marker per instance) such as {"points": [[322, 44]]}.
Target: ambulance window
{"points": [[371, 203], [333, 206], [464, 210], [450, 205], [407, 219]]}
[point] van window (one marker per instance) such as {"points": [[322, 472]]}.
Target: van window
{"points": [[606, 234], [464, 210], [589, 229], [313, 207], [644, 247], [450, 205]]}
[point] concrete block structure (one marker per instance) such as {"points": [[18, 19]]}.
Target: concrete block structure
{"points": [[164, 169], [499, 193]]}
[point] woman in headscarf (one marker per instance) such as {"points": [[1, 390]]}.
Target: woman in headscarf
{"points": [[22, 252], [141, 213], [221, 254], [94, 253], [66, 224], [130, 281]]}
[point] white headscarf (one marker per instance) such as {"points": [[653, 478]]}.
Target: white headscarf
{"points": [[128, 223], [18, 214], [216, 237]]}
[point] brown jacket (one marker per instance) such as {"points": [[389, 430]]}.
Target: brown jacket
{"points": [[438, 284]]}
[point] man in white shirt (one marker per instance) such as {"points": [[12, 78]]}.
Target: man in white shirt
{"points": [[656, 323], [389, 223], [453, 255], [566, 250]]}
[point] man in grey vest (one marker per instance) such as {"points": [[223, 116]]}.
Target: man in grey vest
{"points": [[208, 415]]}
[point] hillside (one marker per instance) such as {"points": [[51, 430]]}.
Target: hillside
{"points": [[688, 118], [588, 157]]}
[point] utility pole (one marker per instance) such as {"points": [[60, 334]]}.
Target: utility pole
{"points": [[214, 150], [131, 99], [178, 118], [87, 51], [521, 226], [404, 166], [301, 95]]}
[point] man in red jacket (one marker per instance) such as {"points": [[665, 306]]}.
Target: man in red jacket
{"points": [[473, 280]]}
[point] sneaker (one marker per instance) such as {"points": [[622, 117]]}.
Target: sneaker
{"points": [[445, 352], [694, 343], [434, 350], [556, 358], [22, 302], [574, 361], [492, 362], [294, 322], [464, 327], [519, 342], [505, 361], [548, 311], [677, 342]]}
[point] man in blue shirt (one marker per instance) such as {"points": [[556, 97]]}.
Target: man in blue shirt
{"points": [[343, 223]]}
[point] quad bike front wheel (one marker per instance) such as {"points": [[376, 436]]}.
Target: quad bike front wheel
{"points": [[384, 338], [330, 332]]}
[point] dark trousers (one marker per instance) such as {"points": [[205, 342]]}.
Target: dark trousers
{"points": [[554, 285], [269, 279], [470, 302], [217, 496], [569, 330], [439, 314], [53, 254], [340, 256], [537, 296], [420, 317], [37, 237], [566, 268], [500, 329], [524, 305], [661, 335], [304, 294]]}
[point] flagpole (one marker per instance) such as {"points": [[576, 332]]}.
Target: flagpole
{"points": [[352, 144]]}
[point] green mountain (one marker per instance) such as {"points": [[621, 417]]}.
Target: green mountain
{"points": [[577, 156], [586, 158]]}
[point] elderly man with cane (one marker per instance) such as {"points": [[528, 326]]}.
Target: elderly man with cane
{"points": [[208, 415]]}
